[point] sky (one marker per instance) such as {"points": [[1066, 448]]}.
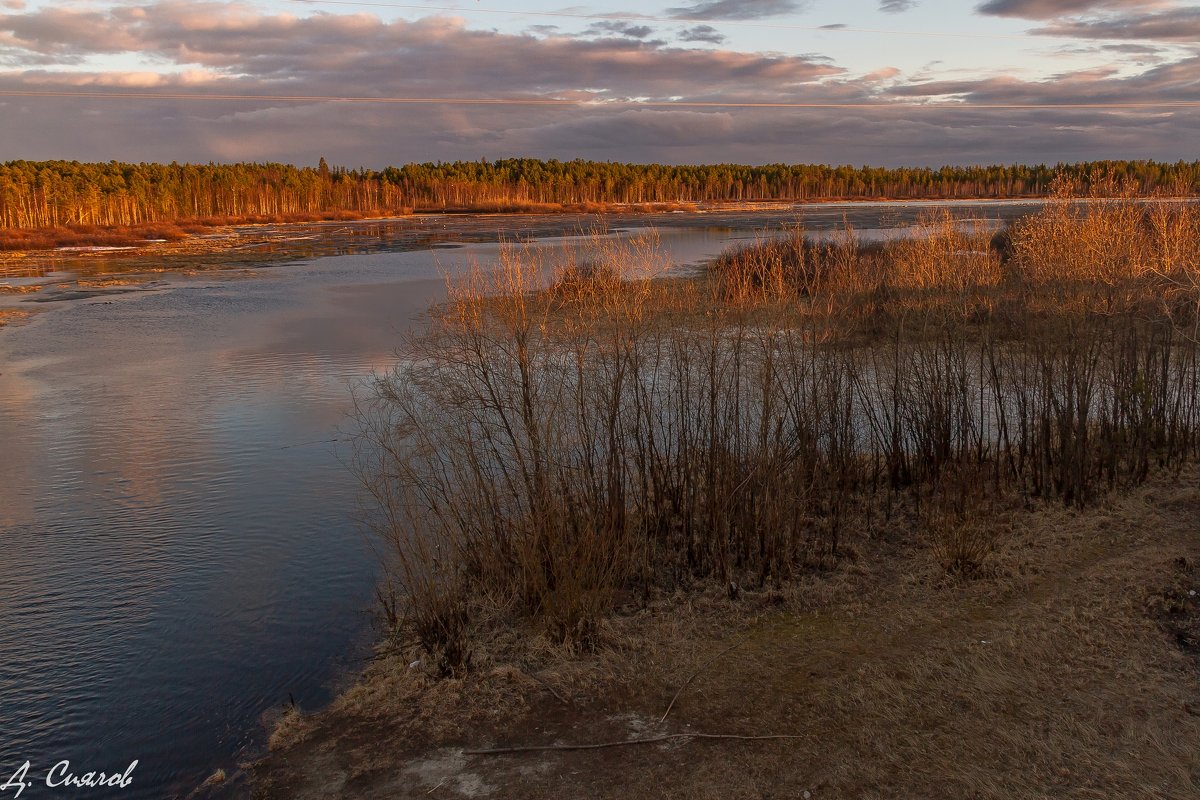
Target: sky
{"points": [[895, 82]]}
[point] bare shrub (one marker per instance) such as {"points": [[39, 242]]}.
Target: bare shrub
{"points": [[943, 253], [575, 426], [961, 543]]}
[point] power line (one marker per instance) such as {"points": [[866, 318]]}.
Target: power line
{"points": [[553, 101], [672, 20]]}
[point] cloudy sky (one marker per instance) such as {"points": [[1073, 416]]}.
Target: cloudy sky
{"points": [[904, 82]]}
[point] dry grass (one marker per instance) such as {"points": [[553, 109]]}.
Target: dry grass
{"points": [[24, 239], [14, 316], [1061, 672], [515, 206], [291, 728], [942, 254], [10, 289], [88, 236]]}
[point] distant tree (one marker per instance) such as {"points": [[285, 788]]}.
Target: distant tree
{"points": [[53, 193]]}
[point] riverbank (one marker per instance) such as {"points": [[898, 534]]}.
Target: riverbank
{"points": [[909, 519], [1072, 666], [30, 275], [197, 233], [19, 241]]}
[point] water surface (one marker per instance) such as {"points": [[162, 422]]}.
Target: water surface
{"points": [[177, 526]]}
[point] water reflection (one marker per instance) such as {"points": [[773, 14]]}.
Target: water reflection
{"points": [[176, 523]]}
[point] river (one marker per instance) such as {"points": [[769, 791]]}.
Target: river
{"points": [[178, 530]]}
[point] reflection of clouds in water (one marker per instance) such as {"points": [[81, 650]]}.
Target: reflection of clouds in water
{"points": [[145, 485], [19, 464], [154, 514]]}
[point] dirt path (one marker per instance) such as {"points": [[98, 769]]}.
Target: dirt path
{"points": [[1063, 674]]}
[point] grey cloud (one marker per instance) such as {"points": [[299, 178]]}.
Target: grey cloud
{"points": [[1050, 9], [1174, 25], [621, 29], [57, 30], [435, 56], [378, 136], [243, 51], [702, 33], [1129, 53], [738, 9], [19, 57], [1133, 49], [1176, 81], [897, 6]]}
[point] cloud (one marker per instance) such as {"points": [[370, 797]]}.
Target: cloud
{"points": [[1173, 25], [1136, 54], [621, 29], [231, 48], [1051, 9], [436, 56], [13, 4], [376, 135], [1176, 81], [897, 6], [701, 33], [1141, 20], [64, 31], [738, 9], [885, 74]]}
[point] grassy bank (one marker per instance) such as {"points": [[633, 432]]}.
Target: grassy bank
{"points": [[51, 238], [925, 508]]}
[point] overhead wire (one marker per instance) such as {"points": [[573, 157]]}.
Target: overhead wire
{"points": [[596, 102]]}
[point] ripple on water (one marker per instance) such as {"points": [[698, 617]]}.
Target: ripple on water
{"points": [[176, 526]]}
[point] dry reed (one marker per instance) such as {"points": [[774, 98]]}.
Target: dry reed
{"points": [[569, 431]]}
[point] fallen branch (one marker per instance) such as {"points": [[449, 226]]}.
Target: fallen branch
{"points": [[696, 674], [649, 740], [549, 688]]}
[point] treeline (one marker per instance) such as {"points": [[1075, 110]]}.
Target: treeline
{"points": [[51, 194], [68, 193]]}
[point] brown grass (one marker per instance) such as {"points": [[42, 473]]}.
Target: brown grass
{"points": [[511, 206], [13, 316], [27, 289], [27, 239], [1061, 672], [20, 239], [87, 236]]}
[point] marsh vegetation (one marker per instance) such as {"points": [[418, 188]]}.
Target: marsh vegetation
{"points": [[575, 433]]}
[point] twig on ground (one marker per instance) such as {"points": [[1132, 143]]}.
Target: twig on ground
{"points": [[550, 689], [649, 740], [696, 674]]}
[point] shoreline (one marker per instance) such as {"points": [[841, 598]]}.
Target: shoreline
{"points": [[833, 662], [934, 632], [145, 236], [262, 244]]}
